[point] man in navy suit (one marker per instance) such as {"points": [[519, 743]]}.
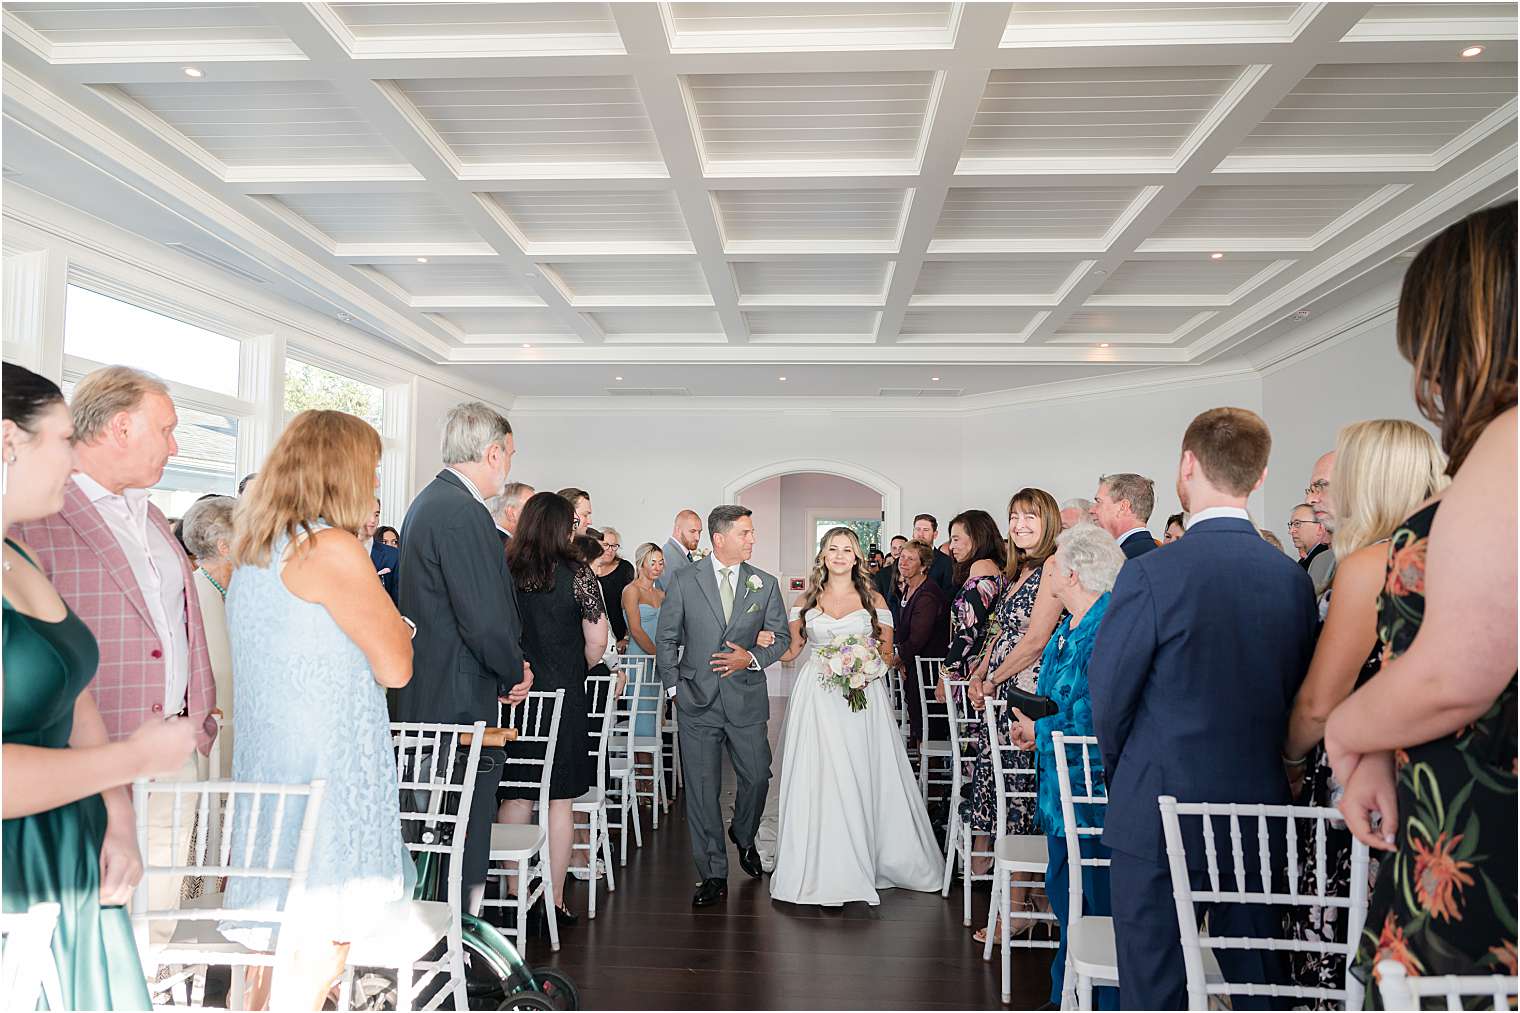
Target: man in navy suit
{"points": [[1122, 507], [385, 558], [1193, 675]]}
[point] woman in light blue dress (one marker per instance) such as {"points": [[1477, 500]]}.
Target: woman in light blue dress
{"points": [[641, 609], [315, 642]]}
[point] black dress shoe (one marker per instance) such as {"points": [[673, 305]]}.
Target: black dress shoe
{"points": [[564, 916], [709, 892], [749, 858]]}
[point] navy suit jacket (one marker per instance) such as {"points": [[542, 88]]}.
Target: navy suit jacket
{"points": [[1138, 544], [1193, 675], [386, 557]]}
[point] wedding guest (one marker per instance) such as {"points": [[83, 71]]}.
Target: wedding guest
{"points": [[1430, 743], [923, 630], [209, 533], [1022, 620], [942, 570], [1080, 578], [1218, 600], [108, 539], [681, 547], [507, 508], [316, 641], [387, 535], [888, 579], [385, 558], [1122, 507], [641, 602], [456, 587], [69, 833], [1074, 512], [1321, 499], [1309, 536], [614, 573], [980, 559], [1384, 470], [1176, 525], [580, 501], [565, 632]]}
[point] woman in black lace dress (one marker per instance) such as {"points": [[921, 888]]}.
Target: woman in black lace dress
{"points": [[1427, 749], [564, 632], [1384, 468]]}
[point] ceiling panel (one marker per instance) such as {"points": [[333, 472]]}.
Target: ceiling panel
{"points": [[781, 215], [124, 23], [1383, 17], [659, 321], [475, 20], [813, 18], [246, 123], [537, 120], [758, 117], [1053, 15], [1194, 276], [1128, 320], [994, 277], [622, 278], [380, 217], [561, 216], [989, 320], [524, 322], [1032, 213], [427, 280], [811, 321], [1105, 112], [815, 277], [1381, 108], [1261, 212]]}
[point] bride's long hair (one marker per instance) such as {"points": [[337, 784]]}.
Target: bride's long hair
{"points": [[820, 576]]}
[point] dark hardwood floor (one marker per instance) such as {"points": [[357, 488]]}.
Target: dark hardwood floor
{"points": [[649, 949]]}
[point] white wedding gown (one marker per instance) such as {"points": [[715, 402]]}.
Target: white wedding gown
{"points": [[851, 820]]}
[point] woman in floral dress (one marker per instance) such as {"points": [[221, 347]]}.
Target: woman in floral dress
{"points": [[1427, 749]]}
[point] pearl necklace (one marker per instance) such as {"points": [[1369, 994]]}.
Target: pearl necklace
{"points": [[220, 589]]}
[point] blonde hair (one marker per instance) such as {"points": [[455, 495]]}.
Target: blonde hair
{"points": [[322, 467], [1384, 468], [820, 576], [106, 393], [644, 552]]}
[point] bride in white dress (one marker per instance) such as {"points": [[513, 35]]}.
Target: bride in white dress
{"points": [[851, 820]]}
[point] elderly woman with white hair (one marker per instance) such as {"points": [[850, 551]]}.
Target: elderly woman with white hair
{"points": [[1087, 562], [207, 531]]}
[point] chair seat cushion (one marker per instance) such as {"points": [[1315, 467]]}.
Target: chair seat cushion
{"points": [[515, 840], [1024, 852], [593, 799], [1094, 953], [403, 938]]}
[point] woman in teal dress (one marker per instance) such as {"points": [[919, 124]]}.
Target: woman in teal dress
{"points": [[641, 610], [69, 834]]}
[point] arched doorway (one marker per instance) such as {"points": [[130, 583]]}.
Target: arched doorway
{"points": [[891, 492]]}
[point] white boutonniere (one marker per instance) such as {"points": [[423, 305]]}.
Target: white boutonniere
{"points": [[697, 555], [753, 583]]}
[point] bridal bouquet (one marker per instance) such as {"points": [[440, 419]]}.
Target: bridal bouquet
{"points": [[851, 663]]}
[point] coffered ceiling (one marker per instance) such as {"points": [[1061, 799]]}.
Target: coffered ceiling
{"points": [[1090, 186]]}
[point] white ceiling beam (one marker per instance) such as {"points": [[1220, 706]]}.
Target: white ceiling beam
{"points": [[316, 28], [952, 109], [679, 134]]}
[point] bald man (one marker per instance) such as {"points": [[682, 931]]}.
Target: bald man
{"points": [[679, 547]]}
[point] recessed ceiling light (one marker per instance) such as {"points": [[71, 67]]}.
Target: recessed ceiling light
{"points": [[1103, 345], [197, 72], [934, 378], [781, 378], [617, 378], [526, 345], [1472, 51], [422, 260], [1216, 256]]}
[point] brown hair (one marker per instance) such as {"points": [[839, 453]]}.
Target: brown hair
{"points": [[984, 534], [322, 467], [819, 576], [1456, 326], [1034, 501], [923, 550], [1232, 446]]}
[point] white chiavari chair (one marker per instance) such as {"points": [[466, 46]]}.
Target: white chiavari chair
{"points": [[520, 851], [1265, 822], [930, 749], [1018, 860], [27, 968], [958, 837], [277, 824], [1400, 991], [642, 692], [601, 702], [1091, 957]]}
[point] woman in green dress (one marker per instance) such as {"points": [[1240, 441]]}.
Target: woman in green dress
{"points": [[69, 833]]}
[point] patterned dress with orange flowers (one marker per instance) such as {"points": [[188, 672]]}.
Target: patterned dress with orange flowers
{"points": [[1444, 902]]}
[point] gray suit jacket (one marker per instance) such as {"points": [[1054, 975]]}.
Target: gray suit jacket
{"points": [[692, 617], [676, 560]]}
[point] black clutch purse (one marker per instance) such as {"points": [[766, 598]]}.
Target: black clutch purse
{"points": [[1033, 706]]}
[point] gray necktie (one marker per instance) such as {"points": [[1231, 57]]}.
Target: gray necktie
{"points": [[726, 593]]}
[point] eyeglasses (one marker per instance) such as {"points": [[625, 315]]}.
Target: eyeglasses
{"points": [[1318, 488], [1295, 525]]}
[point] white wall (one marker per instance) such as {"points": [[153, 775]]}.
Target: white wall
{"points": [[801, 493], [1307, 399]]}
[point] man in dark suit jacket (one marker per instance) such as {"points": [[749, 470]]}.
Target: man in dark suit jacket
{"points": [[455, 586], [385, 558], [942, 570], [1193, 675], [1122, 507]]}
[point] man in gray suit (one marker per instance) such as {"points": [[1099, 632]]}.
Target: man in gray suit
{"points": [[716, 609], [680, 546]]}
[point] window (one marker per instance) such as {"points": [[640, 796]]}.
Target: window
{"points": [[112, 332], [868, 530], [308, 386]]}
